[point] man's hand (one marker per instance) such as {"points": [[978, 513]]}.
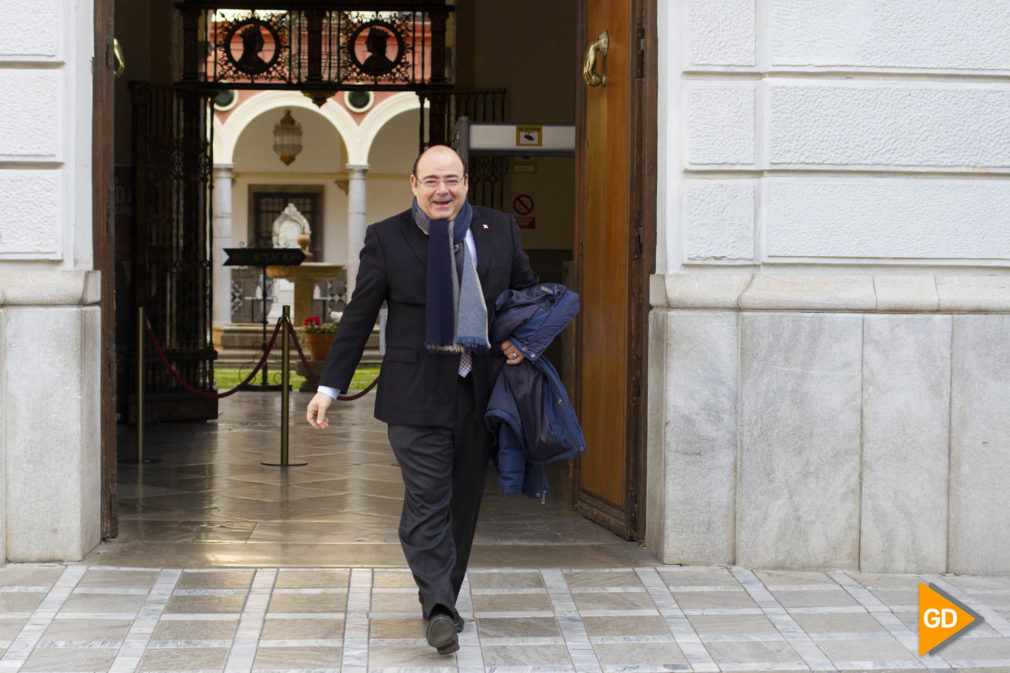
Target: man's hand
{"points": [[316, 413], [513, 355]]}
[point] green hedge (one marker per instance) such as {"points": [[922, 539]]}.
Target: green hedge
{"points": [[229, 377]]}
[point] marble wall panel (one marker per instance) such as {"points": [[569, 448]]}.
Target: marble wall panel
{"points": [[898, 218], [33, 31], [721, 124], [655, 490], [897, 34], [3, 435], [31, 119], [91, 428], [33, 210], [798, 484], [719, 218], [699, 437], [980, 445], [906, 402], [51, 450], [722, 33], [888, 124]]}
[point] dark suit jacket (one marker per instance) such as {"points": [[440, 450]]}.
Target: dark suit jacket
{"points": [[417, 387]]}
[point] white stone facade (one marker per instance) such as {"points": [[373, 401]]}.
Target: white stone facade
{"points": [[829, 369], [832, 301], [49, 319]]}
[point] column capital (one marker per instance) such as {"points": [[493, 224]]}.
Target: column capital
{"points": [[357, 169]]}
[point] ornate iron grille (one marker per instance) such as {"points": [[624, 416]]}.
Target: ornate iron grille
{"points": [[172, 279], [317, 46]]}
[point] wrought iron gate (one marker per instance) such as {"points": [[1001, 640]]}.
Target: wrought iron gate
{"points": [[171, 244]]}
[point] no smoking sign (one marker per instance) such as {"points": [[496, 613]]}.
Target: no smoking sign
{"points": [[523, 207]]}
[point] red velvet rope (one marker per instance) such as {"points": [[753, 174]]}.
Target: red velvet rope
{"points": [[311, 375], [203, 393], [259, 365]]}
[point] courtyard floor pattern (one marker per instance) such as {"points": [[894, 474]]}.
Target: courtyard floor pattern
{"points": [[78, 617]]}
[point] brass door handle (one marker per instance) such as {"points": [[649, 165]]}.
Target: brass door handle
{"points": [[120, 60], [597, 46]]}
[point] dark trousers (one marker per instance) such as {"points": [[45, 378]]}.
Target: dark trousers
{"points": [[443, 476]]}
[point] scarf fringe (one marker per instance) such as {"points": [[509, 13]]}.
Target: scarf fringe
{"points": [[444, 350], [473, 344]]}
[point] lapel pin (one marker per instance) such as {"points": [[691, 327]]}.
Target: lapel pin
{"points": [[485, 226]]}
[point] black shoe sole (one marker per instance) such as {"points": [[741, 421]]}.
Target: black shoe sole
{"points": [[441, 634]]}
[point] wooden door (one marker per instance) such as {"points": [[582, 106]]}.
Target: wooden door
{"points": [[615, 210], [103, 134]]}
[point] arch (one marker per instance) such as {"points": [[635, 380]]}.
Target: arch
{"points": [[381, 114], [266, 101]]}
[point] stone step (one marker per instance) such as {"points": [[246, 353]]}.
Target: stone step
{"points": [[240, 344]]}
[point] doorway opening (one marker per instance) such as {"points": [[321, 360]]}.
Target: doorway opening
{"points": [[208, 488]]}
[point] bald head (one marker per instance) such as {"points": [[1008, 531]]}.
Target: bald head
{"points": [[439, 182], [438, 149]]}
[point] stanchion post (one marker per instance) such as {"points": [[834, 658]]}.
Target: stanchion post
{"points": [[141, 334], [285, 390], [285, 383]]}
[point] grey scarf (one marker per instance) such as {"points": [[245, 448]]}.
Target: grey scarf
{"points": [[456, 315]]}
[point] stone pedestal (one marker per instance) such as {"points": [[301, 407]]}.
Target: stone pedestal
{"points": [[50, 395], [304, 277]]}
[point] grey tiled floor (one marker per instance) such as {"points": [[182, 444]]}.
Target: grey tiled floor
{"points": [[228, 566], [93, 618]]}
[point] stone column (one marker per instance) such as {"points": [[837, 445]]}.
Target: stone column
{"points": [[356, 220], [221, 311]]}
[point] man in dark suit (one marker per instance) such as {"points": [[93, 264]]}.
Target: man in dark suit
{"points": [[438, 266]]}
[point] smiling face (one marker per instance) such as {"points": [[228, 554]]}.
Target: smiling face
{"points": [[439, 183]]}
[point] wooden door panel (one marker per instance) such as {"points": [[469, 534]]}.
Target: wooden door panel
{"points": [[601, 478]]}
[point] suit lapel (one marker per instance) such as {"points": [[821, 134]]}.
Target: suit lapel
{"points": [[415, 238]]}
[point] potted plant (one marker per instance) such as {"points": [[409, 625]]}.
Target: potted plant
{"points": [[318, 336]]}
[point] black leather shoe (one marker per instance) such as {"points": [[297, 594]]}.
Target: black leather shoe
{"points": [[440, 632], [457, 621]]}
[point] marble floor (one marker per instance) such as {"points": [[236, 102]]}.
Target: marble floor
{"points": [[642, 619], [207, 501], [224, 565]]}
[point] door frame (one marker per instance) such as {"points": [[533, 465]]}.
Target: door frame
{"points": [[102, 232], [642, 161]]}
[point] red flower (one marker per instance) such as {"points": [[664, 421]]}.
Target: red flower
{"points": [[313, 320]]}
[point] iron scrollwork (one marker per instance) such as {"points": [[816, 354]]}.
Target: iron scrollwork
{"points": [[373, 38], [317, 46], [252, 48]]}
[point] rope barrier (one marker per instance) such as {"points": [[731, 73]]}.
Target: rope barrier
{"points": [[311, 375], [259, 365], [202, 393]]}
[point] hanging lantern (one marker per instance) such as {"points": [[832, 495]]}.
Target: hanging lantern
{"points": [[287, 138]]}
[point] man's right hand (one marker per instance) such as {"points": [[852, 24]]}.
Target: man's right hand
{"points": [[316, 412]]}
